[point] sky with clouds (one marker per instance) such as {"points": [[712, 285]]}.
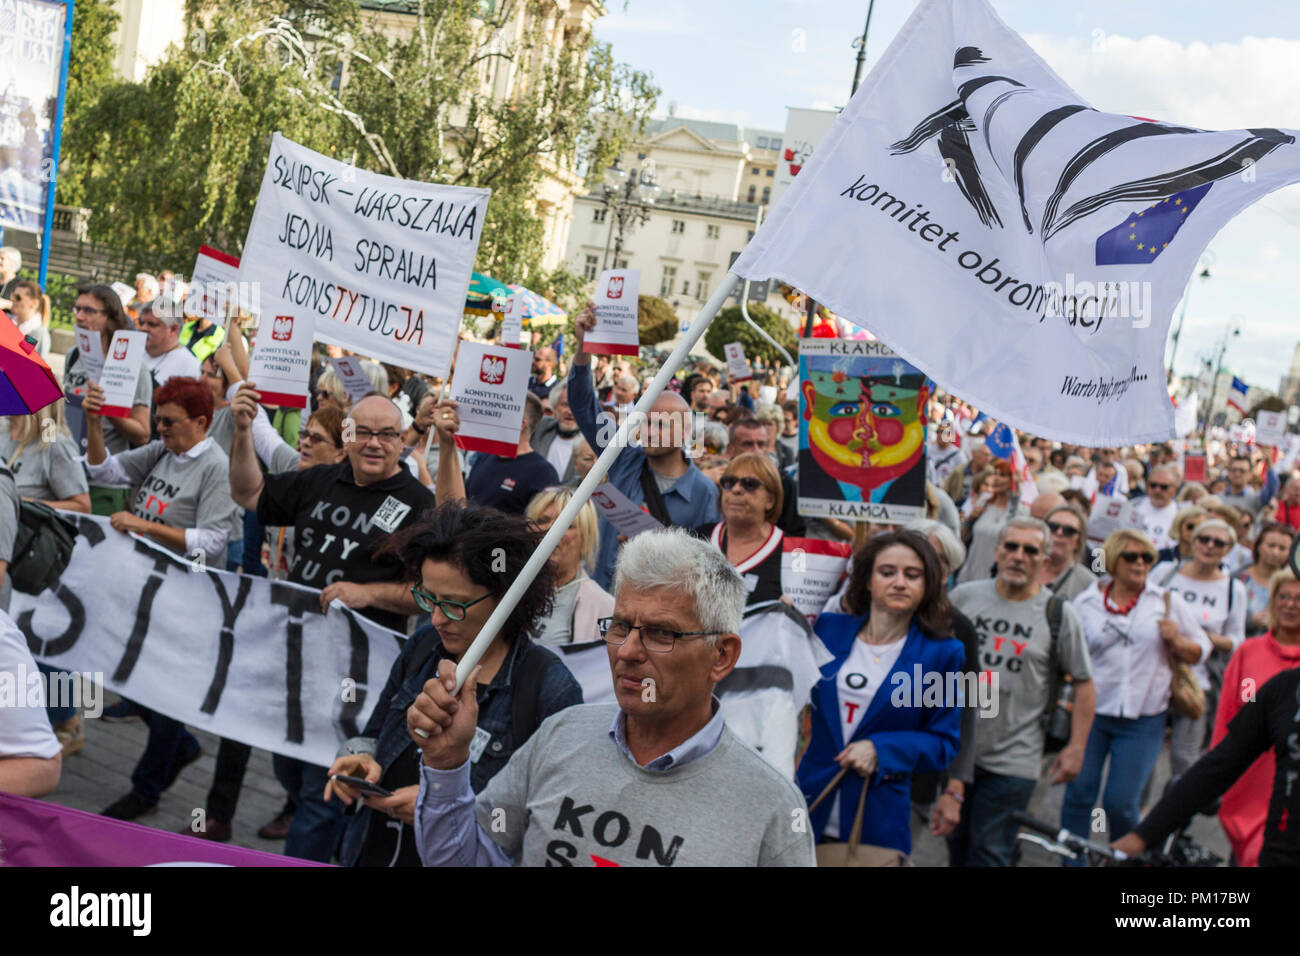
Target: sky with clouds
{"points": [[1202, 63]]}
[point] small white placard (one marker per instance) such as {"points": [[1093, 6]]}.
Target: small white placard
{"points": [[620, 511], [490, 385], [616, 314]]}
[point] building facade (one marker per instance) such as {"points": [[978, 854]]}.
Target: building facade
{"points": [[716, 179]]}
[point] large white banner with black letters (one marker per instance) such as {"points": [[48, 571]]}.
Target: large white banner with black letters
{"points": [[243, 657], [1022, 248], [382, 263]]}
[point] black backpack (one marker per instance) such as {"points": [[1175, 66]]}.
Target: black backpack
{"points": [[42, 547]]}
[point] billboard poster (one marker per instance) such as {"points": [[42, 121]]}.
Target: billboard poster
{"points": [[31, 59]]}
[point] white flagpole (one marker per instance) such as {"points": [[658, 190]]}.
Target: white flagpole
{"points": [[565, 518]]}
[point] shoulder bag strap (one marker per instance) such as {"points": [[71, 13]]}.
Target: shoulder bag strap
{"points": [[654, 499]]}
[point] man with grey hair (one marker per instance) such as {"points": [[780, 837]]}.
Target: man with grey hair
{"points": [[656, 780], [11, 260], [554, 435], [1028, 639], [164, 355], [1158, 509]]}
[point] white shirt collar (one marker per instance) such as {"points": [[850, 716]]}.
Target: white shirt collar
{"points": [[197, 450]]}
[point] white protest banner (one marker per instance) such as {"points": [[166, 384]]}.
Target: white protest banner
{"points": [[1270, 427], [214, 286], [247, 658], [1110, 513], [861, 432], [811, 571], [1290, 452], [490, 385], [619, 510], [281, 361], [356, 383], [384, 264], [616, 331], [738, 369], [512, 321], [1185, 414], [90, 346], [804, 129], [121, 372], [976, 214]]}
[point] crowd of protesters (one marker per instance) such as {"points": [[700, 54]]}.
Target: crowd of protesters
{"points": [[1000, 586]]}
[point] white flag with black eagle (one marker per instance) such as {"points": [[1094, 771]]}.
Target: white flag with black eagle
{"points": [[1019, 246]]}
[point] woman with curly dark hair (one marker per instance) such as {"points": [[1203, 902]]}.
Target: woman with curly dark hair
{"points": [[887, 704], [460, 563]]}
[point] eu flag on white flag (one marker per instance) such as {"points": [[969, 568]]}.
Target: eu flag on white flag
{"points": [[1021, 248]]}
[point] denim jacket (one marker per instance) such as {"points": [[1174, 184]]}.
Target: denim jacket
{"points": [[386, 737]]}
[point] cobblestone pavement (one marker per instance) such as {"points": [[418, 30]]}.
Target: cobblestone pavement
{"points": [[101, 773]]}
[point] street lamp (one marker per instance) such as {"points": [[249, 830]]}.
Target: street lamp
{"points": [[1207, 260], [1233, 330], [628, 199]]}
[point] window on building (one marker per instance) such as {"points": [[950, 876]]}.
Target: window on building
{"points": [[621, 264], [762, 142], [712, 232], [679, 226], [702, 285], [669, 280], [767, 194], [776, 142], [770, 173], [751, 236], [754, 170], [591, 269], [598, 215], [753, 191]]}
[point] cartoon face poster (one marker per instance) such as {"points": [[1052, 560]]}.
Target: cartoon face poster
{"points": [[861, 432]]}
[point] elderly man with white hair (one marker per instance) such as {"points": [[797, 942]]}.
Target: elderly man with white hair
{"points": [[1158, 509], [656, 780], [164, 355]]}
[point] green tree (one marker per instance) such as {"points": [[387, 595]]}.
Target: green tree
{"points": [[730, 326], [655, 320], [90, 70], [177, 161]]}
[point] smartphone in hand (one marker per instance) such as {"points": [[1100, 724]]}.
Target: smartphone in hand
{"points": [[365, 786]]}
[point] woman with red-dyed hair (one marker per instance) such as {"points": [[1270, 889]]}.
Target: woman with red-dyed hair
{"points": [[182, 502]]}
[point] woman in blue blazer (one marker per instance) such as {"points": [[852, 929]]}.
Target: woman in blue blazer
{"points": [[888, 704]]}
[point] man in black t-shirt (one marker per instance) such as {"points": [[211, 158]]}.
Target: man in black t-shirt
{"points": [[508, 484], [341, 514]]}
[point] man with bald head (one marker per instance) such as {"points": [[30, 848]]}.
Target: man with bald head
{"points": [[543, 378], [340, 515], [656, 473], [1045, 504]]}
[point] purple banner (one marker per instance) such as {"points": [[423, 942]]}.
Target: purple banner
{"points": [[35, 833]]}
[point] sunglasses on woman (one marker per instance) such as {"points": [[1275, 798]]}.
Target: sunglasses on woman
{"points": [[749, 483], [1212, 542], [1063, 529], [1132, 557]]}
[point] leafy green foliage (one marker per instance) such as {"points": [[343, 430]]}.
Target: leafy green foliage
{"points": [[90, 69], [177, 160], [730, 326], [655, 320]]}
